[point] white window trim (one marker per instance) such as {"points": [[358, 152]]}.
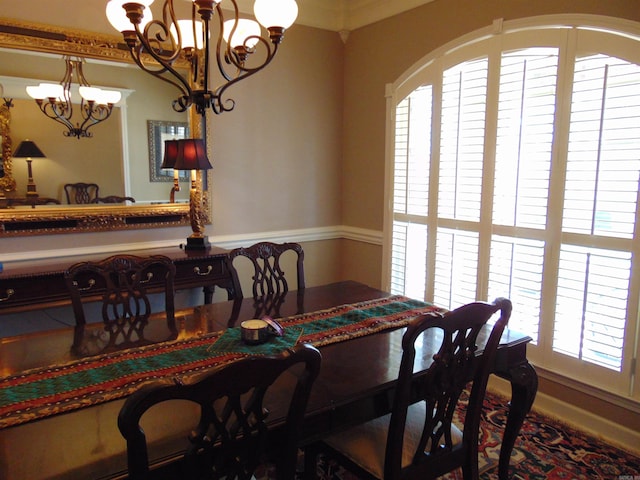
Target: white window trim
{"points": [[420, 73]]}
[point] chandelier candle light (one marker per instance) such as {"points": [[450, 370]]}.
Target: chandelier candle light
{"points": [[54, 100], [211, 38]]}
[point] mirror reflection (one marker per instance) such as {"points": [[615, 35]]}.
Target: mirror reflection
{"points": [[116, 157]]}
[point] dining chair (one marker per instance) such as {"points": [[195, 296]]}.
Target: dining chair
{"points": [[118, 290], [230, 436], [269, 282], [419, 438], [81, 192]]}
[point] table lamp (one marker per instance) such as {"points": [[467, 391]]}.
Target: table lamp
{"points": [[29, 150], [191, 154]]}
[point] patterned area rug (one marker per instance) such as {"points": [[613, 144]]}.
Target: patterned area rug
{"points": [[545, 449]]}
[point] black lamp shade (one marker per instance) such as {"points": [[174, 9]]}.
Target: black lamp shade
{"points": [[191, 155], [28, 149]]}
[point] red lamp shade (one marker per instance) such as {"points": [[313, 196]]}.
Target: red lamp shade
{"points": [[170, 154], [191, 155]]}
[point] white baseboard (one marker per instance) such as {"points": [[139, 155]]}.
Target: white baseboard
{"points": [[577, 418]]}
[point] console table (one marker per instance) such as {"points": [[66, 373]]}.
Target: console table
{"points": [[42, 285]]}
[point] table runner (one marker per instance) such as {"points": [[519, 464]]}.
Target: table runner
{"points": [[51, 390]]}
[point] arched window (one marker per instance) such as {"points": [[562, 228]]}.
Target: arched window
{"points": [[515, 170]]}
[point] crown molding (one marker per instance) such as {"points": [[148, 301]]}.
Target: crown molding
{"points": [[359, 13], [344, 15]]}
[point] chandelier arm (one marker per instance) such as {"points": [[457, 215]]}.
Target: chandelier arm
{"points": [[217, 105], [194, 51], [153, 46], [97, 112], [83, 129], [82, 81], [49, 110], [236, 60], [136, 55], [205, 29], [244, 73], [219, 49]]}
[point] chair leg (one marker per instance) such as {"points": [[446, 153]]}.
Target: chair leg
{"points": [[311, 462], [470, 469]]}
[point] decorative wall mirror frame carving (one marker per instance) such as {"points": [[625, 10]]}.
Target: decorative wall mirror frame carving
{"points": [[7, 183], [48, 219]]}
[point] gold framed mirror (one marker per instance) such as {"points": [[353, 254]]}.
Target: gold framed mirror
{"points": [[7, 183], [102, 50]]}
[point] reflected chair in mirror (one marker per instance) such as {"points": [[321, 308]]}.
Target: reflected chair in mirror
{"points": [[269, 283], [113, 299], [419, 439], [81, 193], [230, 437], [113, 199]]}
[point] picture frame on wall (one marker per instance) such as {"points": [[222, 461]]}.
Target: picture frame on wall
{"points": [[159, 131]]}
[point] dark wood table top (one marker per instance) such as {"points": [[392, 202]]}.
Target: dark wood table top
{"points": [[353, 372]]}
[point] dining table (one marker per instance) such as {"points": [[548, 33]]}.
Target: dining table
{"points": [[59, 407]]}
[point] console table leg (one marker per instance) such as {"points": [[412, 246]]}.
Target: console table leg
{"points": [[524, 385], [208, 293]]}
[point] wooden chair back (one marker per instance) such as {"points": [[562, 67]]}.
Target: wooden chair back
{"points": [[122, 285], [441, 388], [231, 435], [81, 192], [268, 278]]}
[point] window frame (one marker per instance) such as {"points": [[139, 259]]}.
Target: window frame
{"points": [[554, 30]]}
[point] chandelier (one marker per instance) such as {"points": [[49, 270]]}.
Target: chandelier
{"points": [[212, 36], [54, 100], [240, 48]]}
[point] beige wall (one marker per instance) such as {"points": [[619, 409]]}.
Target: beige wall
{"points": [[276, 157]]}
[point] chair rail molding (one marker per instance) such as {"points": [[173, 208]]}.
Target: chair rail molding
{"points": [[335, 232]]}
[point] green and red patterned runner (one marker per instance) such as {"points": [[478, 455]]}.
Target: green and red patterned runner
{"points": [[51, 390]]}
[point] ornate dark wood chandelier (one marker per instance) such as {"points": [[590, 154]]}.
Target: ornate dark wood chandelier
{"points": [[240, 49]]}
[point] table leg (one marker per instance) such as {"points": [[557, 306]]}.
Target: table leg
{"points": [[524, 385], [208, 293]]}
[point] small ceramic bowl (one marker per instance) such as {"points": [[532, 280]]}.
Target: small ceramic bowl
{"points": [[256, 331]]}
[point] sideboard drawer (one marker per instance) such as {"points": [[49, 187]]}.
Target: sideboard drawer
{"points": [[23, 291], [32, 288], [201, 271]]}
